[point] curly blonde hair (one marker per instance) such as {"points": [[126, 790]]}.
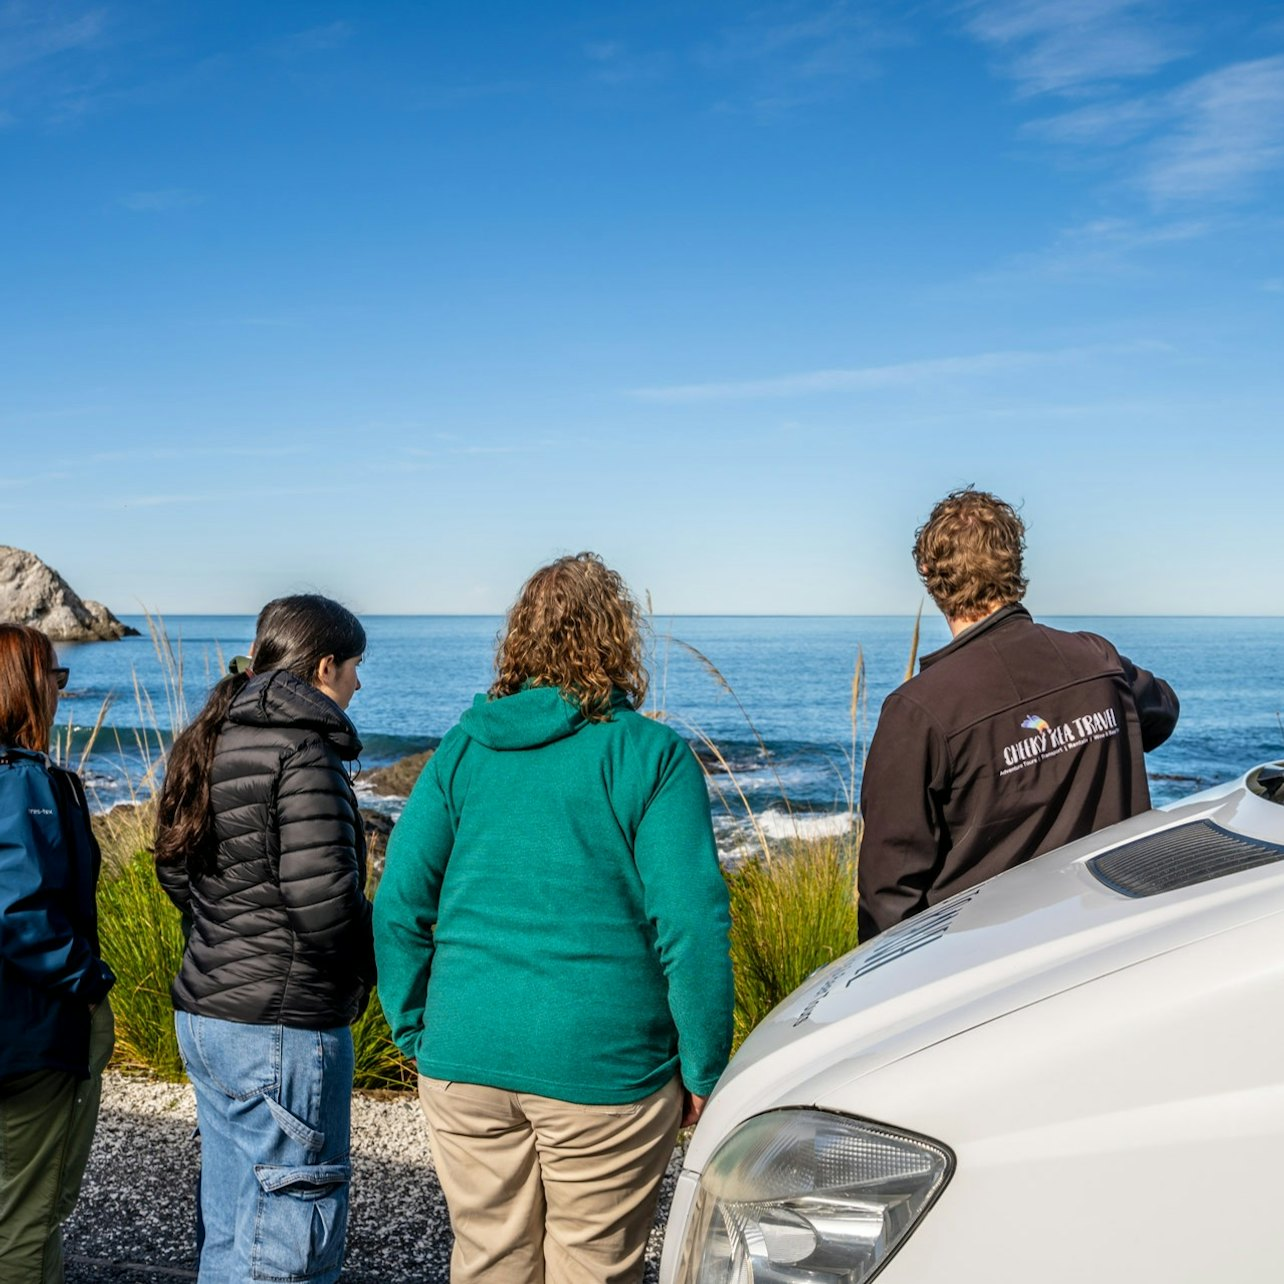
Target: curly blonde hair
{"points": [[969, 552], [574, 626]]}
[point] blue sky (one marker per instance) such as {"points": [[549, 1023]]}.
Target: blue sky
{"points": [[397, 300]]}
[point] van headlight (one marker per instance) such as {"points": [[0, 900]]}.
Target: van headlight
{"points": [[805, 1195]]}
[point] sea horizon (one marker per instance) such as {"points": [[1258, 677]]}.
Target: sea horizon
{"points": [[783, 720]]}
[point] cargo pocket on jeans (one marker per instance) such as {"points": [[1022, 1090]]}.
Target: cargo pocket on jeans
{"points": [[301, 1220]]}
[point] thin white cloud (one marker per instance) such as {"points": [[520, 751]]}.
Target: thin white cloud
{"points": [[603, 50], [622, 67], [1101, 247], [1069, 46], [22, 483], [316, 39], [1230, 128], [44, 73], [1203, 141], [1113, 123], [233, 495], [172, 453], [874, 378], [798, 53], [32, 33], [162, 201], [452, 97]]}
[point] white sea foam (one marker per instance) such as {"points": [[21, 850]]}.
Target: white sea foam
{"points": [[807, 826]]}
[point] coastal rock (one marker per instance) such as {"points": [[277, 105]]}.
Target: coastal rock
{"points": [[33, 593], [397, 779], [377, 827]]}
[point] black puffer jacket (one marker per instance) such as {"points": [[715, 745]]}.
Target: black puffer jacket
{"points": [[280, 930]]}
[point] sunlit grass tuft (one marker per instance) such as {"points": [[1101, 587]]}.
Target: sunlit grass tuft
{"points": [[379, 1064], [793, 902], [142, 941], [789, 918]]}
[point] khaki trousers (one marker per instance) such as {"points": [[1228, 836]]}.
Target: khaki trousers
{"points": [[47, 1121], [544, 1190]]}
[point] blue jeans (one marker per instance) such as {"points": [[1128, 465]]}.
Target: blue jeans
{"points": [[274, 1106]]}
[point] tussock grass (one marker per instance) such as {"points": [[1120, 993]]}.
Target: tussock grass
{"points": [[124, 832], [913, 655], [142, 941], [793, 903], [379, 1064], [789, 917]]}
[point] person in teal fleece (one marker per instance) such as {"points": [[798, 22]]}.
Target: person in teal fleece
{"points": [[551, 932]]}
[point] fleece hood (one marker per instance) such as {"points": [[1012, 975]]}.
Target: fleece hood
{"points": [[280, 699], [527, 719]]}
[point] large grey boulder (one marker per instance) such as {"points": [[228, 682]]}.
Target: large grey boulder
{"points": [[33, 593]]}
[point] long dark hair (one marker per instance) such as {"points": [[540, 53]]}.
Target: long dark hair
{"points": [[26, 656], [293, 634]]}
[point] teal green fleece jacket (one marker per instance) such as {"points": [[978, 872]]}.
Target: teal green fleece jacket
{"points": [[552, 917]]}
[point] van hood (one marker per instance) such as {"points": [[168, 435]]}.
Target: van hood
{"points": [[1035, 931]]}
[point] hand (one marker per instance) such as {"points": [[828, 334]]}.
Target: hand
{"points": [[692, 1108]]}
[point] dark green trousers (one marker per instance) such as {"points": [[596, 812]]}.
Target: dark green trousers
{"points": [[47, 1123]]}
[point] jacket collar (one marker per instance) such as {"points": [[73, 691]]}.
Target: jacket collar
{"points": [[279, 699], [991, 622]]}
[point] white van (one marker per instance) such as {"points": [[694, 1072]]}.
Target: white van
{"points": [[1071, 1074]]}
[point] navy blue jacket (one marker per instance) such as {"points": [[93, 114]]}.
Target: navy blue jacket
{"points": [[50, 969]]}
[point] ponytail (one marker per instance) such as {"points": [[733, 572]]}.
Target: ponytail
{"points": [[184, 820]]}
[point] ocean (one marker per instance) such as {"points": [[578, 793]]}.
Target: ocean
{"points": [[780, 717]]}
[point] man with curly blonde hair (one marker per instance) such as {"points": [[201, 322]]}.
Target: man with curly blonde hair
{"points": [[1012, 740]]}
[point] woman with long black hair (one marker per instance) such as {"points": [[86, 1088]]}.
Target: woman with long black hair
{"points": [[55, 1022], [259, 842]]}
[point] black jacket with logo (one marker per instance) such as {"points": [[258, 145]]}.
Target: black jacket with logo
{"points": [[281, 928], [1012, 740]]}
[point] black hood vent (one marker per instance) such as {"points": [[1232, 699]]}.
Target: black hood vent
{"points": [[1181, 857]]}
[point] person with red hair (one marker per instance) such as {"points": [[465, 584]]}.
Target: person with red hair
{"points": [[56, 1030]]}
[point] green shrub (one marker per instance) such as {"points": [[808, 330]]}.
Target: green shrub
{"points": [[789, 916], [142, 942], [378, 1062]]}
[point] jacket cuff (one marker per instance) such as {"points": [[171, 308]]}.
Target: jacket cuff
{"points": [[701, 1087], [94, 987]]}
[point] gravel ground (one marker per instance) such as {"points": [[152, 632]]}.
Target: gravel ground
{"points": [[137, 1210]]}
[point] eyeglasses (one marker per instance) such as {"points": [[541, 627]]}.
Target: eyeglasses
{"points": [[60, 676]]}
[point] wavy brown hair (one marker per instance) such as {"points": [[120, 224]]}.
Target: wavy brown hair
{"points": [[969, 553], [26, 706], [574, 626]]}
